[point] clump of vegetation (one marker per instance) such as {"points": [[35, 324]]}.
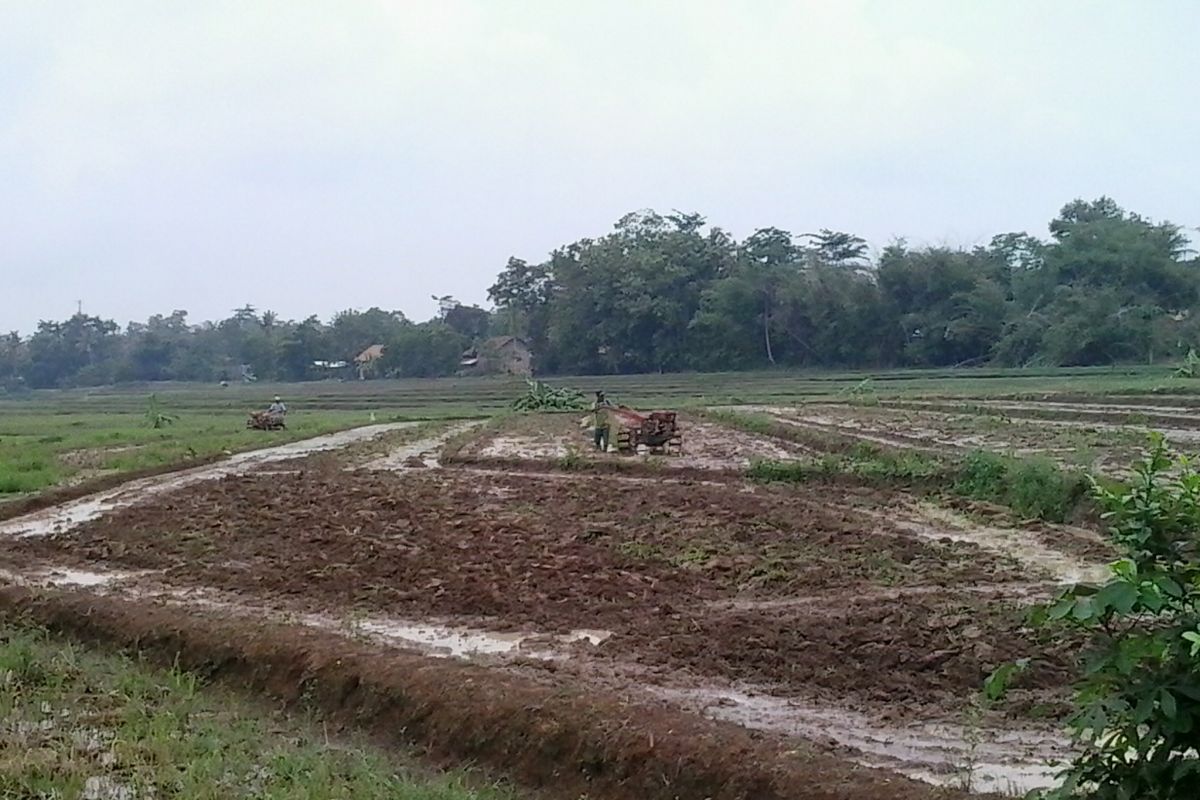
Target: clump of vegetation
{"points": [[1191, 365], [1137, 706], [26, 474], [761, 424], [156, 416], [768, 471], [1033, 487], [862, 393], [571, 460], [877, 466], [544, 397]]}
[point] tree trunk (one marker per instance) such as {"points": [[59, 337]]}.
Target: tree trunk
{"points": [[767, 330]]}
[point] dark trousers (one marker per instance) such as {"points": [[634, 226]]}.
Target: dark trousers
{"points": [[601, 438]]}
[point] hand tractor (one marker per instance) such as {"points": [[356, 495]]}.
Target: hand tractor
{"points": [[657, 431], [265, 421]]}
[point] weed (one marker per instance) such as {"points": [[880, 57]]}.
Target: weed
{"points": [[571, 460], [353, 625], [884, 568], [766, 471], [694, 557], [1034, 488], [644, 551]]}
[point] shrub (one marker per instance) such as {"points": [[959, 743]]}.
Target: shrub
{"points": [[1034, 487], [1137, 706]]}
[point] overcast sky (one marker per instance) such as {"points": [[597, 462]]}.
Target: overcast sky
{"points": [[308, 157]]}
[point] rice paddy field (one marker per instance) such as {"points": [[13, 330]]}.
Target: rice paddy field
{"points": [[802, 602]]}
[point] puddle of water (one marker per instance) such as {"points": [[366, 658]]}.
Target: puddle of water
{"points": [[1006, 761], [527, 447], [1020, 545], [68, 515], [443, 641], [439, 641], [1030, 592], [435, 640], [592, 637], [67, 577], [75, 577]]}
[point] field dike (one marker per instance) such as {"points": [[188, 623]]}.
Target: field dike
{"points": [[568, 743]]}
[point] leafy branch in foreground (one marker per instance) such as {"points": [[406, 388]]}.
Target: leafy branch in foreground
{"points": [[1137, 706]]}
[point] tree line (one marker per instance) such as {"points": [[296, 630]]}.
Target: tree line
{"points": [[667, 292]]}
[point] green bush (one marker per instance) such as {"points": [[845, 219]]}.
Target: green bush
{"points": [[1137, 706], [1034, 487]]}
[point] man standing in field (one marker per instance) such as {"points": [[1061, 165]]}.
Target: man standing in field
{"points": [[277, 408], [600, 422]]}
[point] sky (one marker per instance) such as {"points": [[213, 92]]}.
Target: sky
{"points": [[308, 157]]}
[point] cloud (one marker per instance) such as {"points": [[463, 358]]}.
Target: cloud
{"points": [[419, 144]]}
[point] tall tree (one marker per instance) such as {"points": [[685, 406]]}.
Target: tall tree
{"points": [[767, 254], [837, 248]]}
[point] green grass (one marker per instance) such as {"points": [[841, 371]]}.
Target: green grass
{"points": [[43, 449], [449, 397], [77, 723], [50, 437], [1033, 487]]}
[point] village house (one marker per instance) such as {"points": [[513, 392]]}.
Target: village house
{"points": [[500, 355]]}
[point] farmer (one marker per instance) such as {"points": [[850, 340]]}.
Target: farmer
{"points": [[600, 422], [277, 408]]}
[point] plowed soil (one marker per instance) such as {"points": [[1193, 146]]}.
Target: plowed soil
{"points": [[790, 590]]}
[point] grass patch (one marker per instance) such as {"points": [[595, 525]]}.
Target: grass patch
{"points": [[1033, 487], [76, 723], [42, 450], [864, 462]]}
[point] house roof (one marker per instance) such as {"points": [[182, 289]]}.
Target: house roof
{"points": [[370, 354]]}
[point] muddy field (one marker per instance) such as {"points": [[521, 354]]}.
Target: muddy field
{"points": [[1102, 438], [859, 622], [683, 577]]}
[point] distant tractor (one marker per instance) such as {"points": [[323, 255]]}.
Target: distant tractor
{"points": [[265, 421]]}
